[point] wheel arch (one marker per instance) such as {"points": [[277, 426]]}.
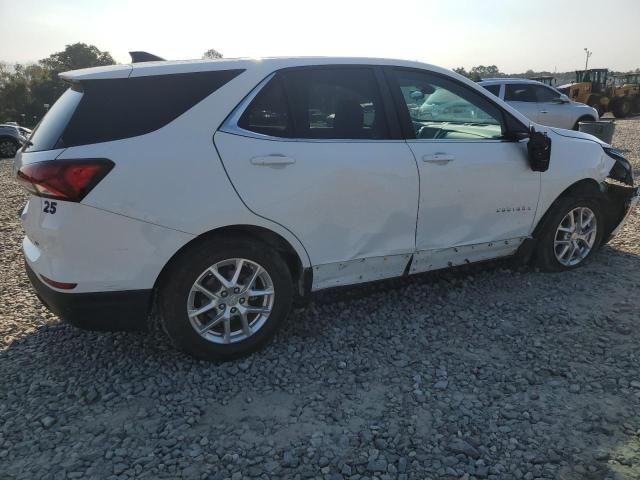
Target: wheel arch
{"points": [[583, 118], [10, 138], [294, 259], [585, 185]]}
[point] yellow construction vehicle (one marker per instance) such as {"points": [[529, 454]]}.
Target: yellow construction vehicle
{"points": [[590, 87], [617, 94], [626, 94]]}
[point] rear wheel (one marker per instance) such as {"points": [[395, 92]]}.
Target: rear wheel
{"points": [[569, 234], [225, 299], [622, 107], [8, 147]]}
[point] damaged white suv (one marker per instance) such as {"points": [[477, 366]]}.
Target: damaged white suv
{"points": [[217, 193]]}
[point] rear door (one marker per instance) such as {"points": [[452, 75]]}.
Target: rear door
{"points": [[522, 97], [313, 150]]}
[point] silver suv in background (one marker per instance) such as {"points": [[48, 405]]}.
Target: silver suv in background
{"points": [[12, 138], [541, 103]]}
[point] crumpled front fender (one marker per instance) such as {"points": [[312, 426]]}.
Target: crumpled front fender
{"points": [[620, 200]]}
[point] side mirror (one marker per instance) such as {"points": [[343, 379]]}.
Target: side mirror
{"points": [[563, 99], [417, 95], [539, 149]]}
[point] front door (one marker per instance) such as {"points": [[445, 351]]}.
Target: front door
{"points": [[551, 111], [312, 151], [478, 196]]}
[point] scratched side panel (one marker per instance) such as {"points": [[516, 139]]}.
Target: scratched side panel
{"points": [[358, 271], [436, 259]]}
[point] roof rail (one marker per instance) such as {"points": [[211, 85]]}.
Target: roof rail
{"points": [[139, 57]]}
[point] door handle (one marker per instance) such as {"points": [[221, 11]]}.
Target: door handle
{"points": [[272, 160], [544, 111], [438, 158]]}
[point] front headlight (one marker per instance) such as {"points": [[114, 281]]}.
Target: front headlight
{"points": [[621, 170]]}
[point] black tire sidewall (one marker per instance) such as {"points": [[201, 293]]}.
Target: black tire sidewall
{"points": [[179, 279], [11, 142], [545, 256]]}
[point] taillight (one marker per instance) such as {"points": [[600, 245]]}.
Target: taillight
{"points": [[69, 180]]}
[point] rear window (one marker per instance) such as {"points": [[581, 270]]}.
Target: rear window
{"points": [[48, 131], [114, 109]]}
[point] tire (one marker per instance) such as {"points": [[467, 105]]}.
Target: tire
{"points": [[545, 256], [8, 147], [594, 101], [621, 108], [586, 118], [175, 296]]}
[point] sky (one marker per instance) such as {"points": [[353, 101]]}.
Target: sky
{"points": [[515, 35]]}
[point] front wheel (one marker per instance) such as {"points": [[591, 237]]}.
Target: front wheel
{"points": [[594, 102], [225, 299], [569, 234], [622, 108]]}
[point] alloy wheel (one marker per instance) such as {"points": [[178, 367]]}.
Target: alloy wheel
{"points": [[230, 301], [575, 236]]}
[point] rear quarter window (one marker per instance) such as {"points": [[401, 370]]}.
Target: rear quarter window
{"points": [[115, 109], [495, 89], [48, 131]]}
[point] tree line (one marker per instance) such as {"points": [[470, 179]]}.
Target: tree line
{"points": [[27, 91]]}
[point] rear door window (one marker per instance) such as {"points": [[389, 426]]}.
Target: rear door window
{"points": [[268, 112], [520, 92], [336, 103]]}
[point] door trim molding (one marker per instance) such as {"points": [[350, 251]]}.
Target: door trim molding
{"points": [[438, 258], [360, 270]]}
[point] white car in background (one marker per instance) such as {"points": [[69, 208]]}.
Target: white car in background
{"points": [[263, 180], [541, 103], [12, 137]]}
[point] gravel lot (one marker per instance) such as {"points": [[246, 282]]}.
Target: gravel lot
{"points": [[493, 372]]}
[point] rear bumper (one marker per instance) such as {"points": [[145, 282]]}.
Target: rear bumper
{"points": [[120, 310]]}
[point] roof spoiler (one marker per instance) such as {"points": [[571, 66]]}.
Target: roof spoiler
{"points": [[139, 57]]}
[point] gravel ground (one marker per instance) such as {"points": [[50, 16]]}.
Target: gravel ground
{"points": [[493, 372]]}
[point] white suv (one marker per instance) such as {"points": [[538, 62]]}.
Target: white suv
{"points": [[217, 193], [541, 103]]}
